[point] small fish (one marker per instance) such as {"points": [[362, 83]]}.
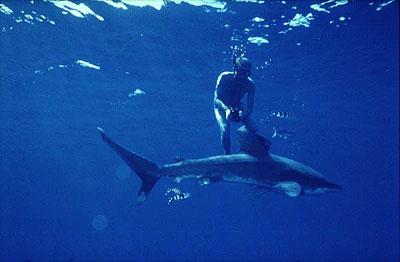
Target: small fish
{"points": [[280, 114], [174, 194], [283, 133]]}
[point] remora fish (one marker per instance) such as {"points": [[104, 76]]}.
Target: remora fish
{"points": [[253, 165]]}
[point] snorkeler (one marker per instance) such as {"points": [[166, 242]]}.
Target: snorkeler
{"points": [[230, 89]]}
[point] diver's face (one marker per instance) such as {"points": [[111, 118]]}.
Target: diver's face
{"points": [[242, 73]]}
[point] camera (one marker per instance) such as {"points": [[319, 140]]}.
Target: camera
{"points": [[235, 114]]}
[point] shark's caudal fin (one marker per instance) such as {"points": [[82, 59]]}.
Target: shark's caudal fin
{"points": [[145, 169]]}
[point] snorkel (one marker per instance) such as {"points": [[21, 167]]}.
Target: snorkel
{"points": [[241, 65], [234, 60]]}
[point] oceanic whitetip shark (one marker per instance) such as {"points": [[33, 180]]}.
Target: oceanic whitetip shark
{"points": [[253, 165]]}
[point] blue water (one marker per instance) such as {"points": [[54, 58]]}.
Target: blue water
{"points": [[65, 196]]}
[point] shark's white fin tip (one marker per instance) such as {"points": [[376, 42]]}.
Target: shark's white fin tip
{"points": [[204, 181], [177, 180], [100, 129], [141, 198]]}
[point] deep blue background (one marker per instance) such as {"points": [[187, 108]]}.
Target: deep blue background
{"points": [[56, 174]]}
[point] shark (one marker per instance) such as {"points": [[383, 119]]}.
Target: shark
{"points": [[253, 165]]}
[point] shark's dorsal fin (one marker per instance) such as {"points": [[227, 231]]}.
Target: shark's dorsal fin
{"points": [[253, 144], [265, 141]]}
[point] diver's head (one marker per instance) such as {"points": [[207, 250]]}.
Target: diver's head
{"points": [[242, 67]]}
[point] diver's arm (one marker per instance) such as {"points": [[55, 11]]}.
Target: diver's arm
{"points": [[218, 102], [220, 105]]}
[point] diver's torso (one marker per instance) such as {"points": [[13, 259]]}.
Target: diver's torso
{"points": [[231, 90]]}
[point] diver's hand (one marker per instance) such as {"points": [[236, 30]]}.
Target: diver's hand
{"points": [[228, 112]]}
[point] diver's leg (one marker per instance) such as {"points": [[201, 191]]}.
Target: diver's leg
{"points": [[224, 127], [250, 124], [226, 139]]}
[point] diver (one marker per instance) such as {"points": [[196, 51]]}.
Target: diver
{"points": [[230, 89]]}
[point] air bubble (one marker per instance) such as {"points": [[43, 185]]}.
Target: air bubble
{"points": [[100, 222]]}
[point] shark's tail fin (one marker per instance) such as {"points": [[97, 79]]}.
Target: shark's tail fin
{"points": [[145, 169]]}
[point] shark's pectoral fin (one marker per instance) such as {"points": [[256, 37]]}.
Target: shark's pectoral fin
{"points": [[289, 188]]}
